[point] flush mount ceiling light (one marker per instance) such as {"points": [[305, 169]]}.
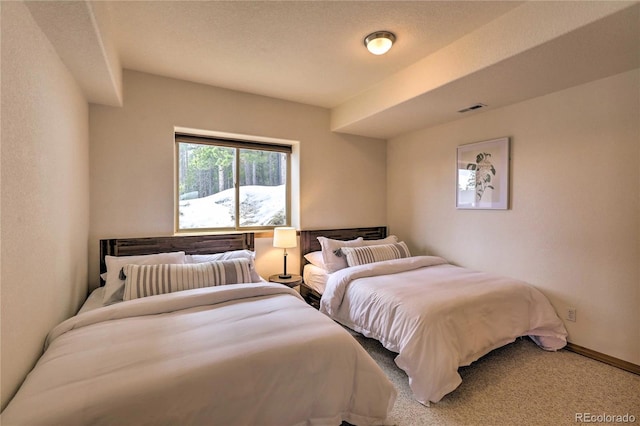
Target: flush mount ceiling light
{"points": [[379, 42]]}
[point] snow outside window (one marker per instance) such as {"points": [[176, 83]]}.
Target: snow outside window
{"points": [[229, 184]]}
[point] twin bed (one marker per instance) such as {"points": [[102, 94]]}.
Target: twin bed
{"points": [[434, 315], [250, 353], [184, 331]]}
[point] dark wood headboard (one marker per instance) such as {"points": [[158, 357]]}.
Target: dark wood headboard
{"points": [[309, 238], [190, 244]]}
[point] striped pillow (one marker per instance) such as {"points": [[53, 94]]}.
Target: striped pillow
{"points": [[149, 280], [370, 254]]}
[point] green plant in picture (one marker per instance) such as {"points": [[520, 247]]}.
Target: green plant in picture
{"points": [[484, 171]]}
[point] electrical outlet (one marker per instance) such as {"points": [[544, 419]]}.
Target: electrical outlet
{"points": [[571, 314]]}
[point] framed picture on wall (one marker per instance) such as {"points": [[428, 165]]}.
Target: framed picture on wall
{"points": [[482, 175]]}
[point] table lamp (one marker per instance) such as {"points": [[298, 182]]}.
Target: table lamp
{"points": [[284, 238]]}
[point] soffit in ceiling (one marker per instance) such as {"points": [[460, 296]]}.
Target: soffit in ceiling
{"points": [[448, 54], [310, 52]]}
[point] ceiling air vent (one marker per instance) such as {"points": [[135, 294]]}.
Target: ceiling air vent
{"points": [[472, 107]]}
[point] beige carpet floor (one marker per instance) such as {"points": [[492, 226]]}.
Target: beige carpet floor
{"points": [[519, 384]]}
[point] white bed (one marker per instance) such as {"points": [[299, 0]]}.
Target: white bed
{"points": [[435, 315], [94, 300], [236, 354], [315, 278]]}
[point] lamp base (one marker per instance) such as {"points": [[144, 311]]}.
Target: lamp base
{"points": [[284, 276]]}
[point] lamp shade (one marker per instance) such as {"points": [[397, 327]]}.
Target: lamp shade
{"points": [[284, 237]]}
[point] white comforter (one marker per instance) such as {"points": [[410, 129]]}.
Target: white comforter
{"points": [[438, 317], [247, 354]]}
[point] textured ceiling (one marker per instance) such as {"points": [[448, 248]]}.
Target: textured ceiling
{"points": [[448, 54], [309, 52]]}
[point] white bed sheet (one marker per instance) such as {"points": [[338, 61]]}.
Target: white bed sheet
{"points": [[243, 354], [315, 277], [94, 300], [438, 317]]}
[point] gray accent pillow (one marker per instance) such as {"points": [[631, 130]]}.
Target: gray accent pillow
{"points": [[376, 253], [150, 280]]}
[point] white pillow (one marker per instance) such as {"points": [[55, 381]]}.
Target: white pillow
{"points": [[114, 287], [331, 254], [376, 253], [233, 254], [150, 280], [391, 239], [315, 258]]}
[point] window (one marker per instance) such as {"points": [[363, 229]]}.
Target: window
{"points": [[227, 184]]}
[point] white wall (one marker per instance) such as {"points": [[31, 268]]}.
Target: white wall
{"points": [[44, 194], [342, 177], [573, 229]]}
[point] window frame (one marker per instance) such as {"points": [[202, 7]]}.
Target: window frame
{"points": [[237, 144]]}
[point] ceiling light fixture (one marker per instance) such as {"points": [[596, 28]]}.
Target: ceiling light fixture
{"points": [[379, 42]]}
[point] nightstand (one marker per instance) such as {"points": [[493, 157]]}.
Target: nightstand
{"points": [[291, 282]]}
